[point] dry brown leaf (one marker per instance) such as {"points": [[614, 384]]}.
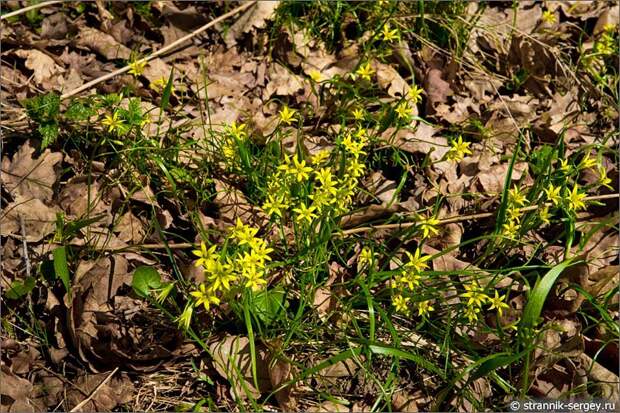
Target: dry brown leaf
{"points": [[388, 78], [46, 71], [381, 188], [79, 198], [39, 219], [280, 372], [102, 43], [232, 360], [131, 229], [29, 177], [115, 392], [282, 82], [422, 140], [254, 18], [329, 406], [233, 204]]}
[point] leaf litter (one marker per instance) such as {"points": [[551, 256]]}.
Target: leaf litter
{"points": [[100, 324]]}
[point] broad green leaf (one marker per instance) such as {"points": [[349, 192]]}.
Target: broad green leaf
{"points": [[20, 288], [268, 304], [144, 280], [539, 293]]}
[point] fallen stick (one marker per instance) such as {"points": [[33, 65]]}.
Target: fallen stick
{"points": [[103, 383], [27, 9], [161, 51]]}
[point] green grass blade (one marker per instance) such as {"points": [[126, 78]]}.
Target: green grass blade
{"points": [[61, 268], [419, 360]]}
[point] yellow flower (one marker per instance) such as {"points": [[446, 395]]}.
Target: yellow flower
{"points": [[498, 303], [425, 307], [602, 178], [136, 67], [400, 303], [113, 122], [543, 214], [475, 295], [516, 197], [514, 213], [254, 280], [324, 176], [417, 262], [564, 166], [366, 256], [316, 75], [472, 313], [238, 131], [160, 84], [287, 115], [261, 250], [243, 233], [429, 225], [415, 94], [185, 318], [575, 199], [403, 110], [305, 213], [220, 275], [204, 255], [300, 170], [365, 72], [548, 17], [205, 297], [358, 114], [320, 157], [458, 149], [410, 279], [511, 229], [553, 194], [389, 34], [355, 168], [274, 205], [352, 146], [586, 162]]}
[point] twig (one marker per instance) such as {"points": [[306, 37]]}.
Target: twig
{"points": [[83, 402], [161, 51], [24, 244], [27, 9], [461, 218]]}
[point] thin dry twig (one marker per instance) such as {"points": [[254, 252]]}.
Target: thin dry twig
{"points": [[103, 383], [160, 52], [461, 218], [27, 9]]}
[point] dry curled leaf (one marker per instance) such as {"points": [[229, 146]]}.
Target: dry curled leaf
{"points": [[28, 176]]}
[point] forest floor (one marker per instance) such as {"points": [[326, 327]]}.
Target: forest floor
{"points": [[317, 206]]}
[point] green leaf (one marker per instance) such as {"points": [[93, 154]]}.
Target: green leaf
{"points": [[61, 268], [268, 304], [49, 132], [78, 111], [144, 280], [165, 97], [394, 352], [20, 288], [539, 293], [43, 108]]}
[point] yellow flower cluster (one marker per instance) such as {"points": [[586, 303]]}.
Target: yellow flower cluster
{"points": [[408, 280], [405, 108], [516, 200], [233, 136], [476, 298], [226, 272], [324, 190]]}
